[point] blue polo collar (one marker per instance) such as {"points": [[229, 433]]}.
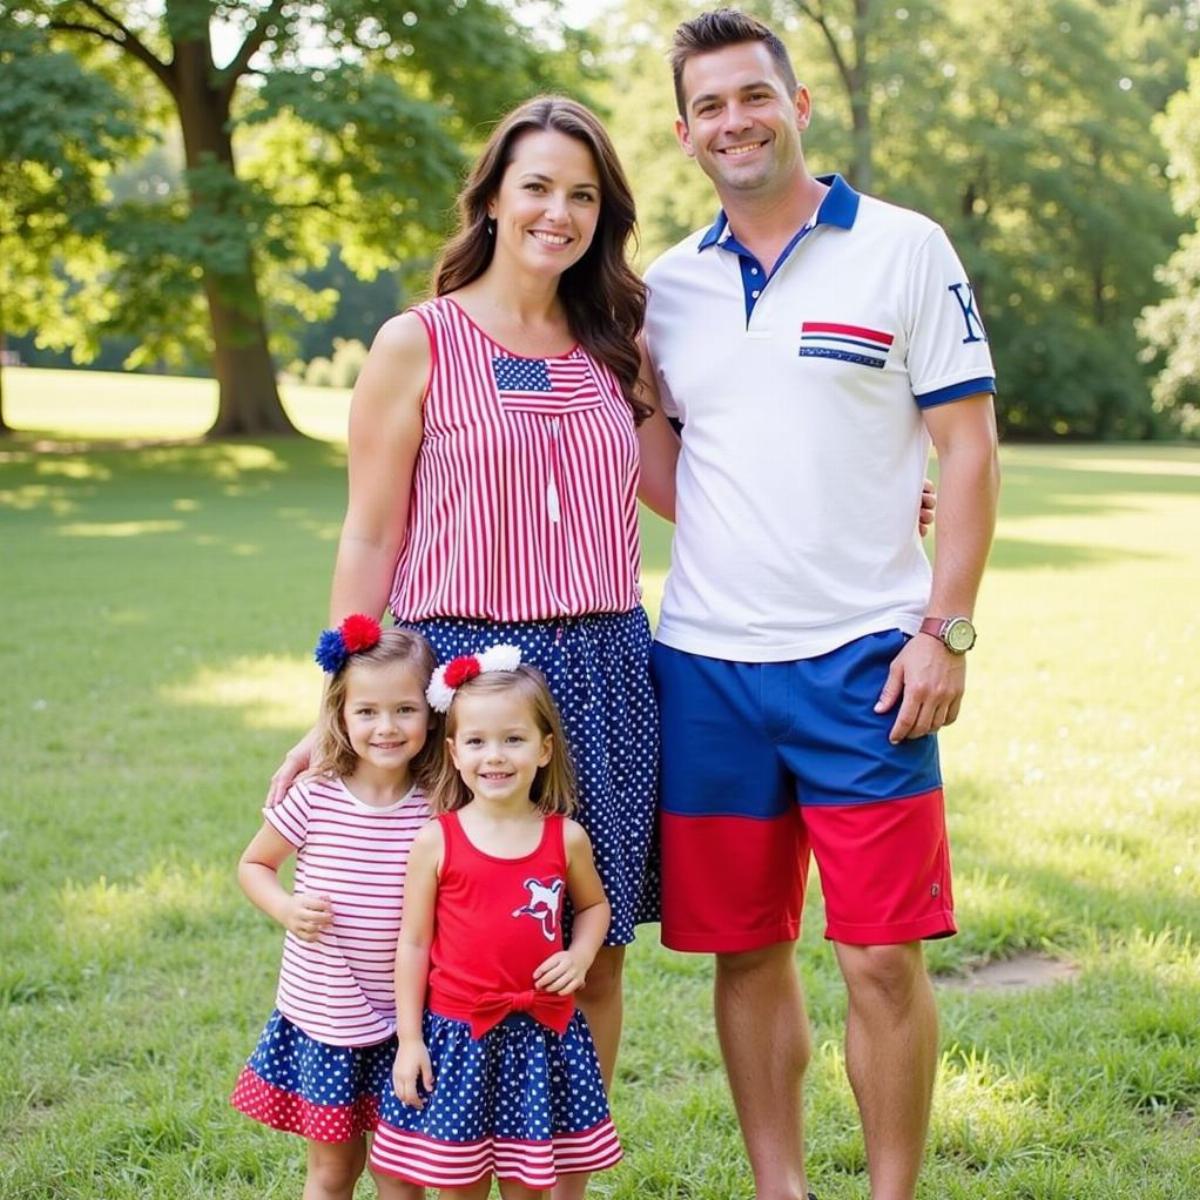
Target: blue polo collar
{"points": [[839, 208]]}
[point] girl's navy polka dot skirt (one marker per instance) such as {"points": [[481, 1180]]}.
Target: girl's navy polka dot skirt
{"points": [[521, 1103], [325, 1093]]}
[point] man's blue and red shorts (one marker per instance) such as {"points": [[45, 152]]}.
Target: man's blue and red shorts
{"points": [[764, 764]]}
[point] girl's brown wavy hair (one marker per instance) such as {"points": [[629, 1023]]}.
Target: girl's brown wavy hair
{"points": [[605, 301], [333, 754], [553, 789]]}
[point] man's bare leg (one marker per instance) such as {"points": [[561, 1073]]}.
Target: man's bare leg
{"points": [[765, 1042], [891, 1058], [603, 1006]]}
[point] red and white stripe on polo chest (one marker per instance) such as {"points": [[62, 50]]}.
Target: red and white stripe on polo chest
{"points": [[339, 989], [524, 495]]}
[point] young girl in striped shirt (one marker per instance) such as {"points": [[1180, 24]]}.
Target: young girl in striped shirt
{"points": [[326, 1051], [496, 1072]]}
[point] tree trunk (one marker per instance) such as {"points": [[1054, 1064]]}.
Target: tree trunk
{"points": [[860, 163], [860, 100], [248, 395], [5, 428]]}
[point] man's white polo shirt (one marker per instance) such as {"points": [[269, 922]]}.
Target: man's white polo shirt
{"points": [[804, 449]]}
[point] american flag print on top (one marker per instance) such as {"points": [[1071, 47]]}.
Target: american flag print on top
{"points": [[847, 343], [549, 385]]}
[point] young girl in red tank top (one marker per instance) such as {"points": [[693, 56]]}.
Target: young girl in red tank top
{"points": [[495, 1071]]}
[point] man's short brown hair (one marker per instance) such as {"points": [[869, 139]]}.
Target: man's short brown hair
{"points": [[716, 30]]}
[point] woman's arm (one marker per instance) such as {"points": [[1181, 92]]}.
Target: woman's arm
{"points": [[658, 447], [566, 971], [258, 874], [386, 427], [412, 966]]}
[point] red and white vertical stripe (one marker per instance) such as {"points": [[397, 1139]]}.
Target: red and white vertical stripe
{"points": [[339, 989], [523, 507]]}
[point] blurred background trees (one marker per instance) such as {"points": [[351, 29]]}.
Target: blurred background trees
{"points": [[1055, 139]]}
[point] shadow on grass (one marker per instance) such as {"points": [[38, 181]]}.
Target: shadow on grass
{"points": [[206, 499], [1016, 554], [160, 464], [1085, 481]]}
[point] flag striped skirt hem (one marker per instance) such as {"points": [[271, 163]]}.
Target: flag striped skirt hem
{"points": [[417, 1158]]}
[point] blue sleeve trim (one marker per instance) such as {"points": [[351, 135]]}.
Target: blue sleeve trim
{"points": [[956, 391]]}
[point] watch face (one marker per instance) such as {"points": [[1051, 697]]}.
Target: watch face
{"points": [[960, 636]]}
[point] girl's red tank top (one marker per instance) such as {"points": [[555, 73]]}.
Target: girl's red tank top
{"points": [[495, 921]]}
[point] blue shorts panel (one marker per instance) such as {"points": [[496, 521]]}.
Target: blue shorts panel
{"points": [[597, 668], [753, 739]]}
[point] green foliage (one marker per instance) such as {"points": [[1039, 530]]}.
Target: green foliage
{"points": [[1171, 328], [342, 369], [60, 127]]}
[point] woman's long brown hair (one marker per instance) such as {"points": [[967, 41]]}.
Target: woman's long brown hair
{"points": [[605, 301]]}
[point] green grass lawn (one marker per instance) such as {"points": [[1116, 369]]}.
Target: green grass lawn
{"points": [[160, 601]]}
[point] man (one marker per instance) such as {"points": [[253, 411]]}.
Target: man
{"points": [[812, 342]]}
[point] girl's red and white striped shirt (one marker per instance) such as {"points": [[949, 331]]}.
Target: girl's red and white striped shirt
{"points": [[339, 989], [524, 494]]}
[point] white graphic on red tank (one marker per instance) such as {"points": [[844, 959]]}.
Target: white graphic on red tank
{"points": [[545, 903]]}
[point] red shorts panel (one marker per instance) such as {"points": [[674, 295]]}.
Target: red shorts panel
{"points": [[732, 884], [885, 869]]}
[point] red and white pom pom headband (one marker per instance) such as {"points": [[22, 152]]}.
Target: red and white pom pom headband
{"points": [[447, 679]]}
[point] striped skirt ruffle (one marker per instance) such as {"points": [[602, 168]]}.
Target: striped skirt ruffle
{"points": [[522, 1103]]}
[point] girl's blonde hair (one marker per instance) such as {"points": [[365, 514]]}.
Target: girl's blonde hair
{"points": [[333, 754], [553, 789]]}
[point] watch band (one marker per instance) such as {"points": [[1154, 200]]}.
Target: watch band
{"points": [[947, 631]]}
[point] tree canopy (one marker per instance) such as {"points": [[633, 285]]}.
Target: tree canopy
{"points": [[302, 126], [59, 128]]}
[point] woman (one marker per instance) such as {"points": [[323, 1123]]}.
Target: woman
{"points": [[494, 473]]}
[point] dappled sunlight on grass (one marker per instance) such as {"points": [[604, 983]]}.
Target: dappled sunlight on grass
{"points": [[117, 529], [166, 900], [272, 692], [73, 468], [652, 589], [318, 412], [31, 496], [1171, 954], [982, 1114], [223, 460]]}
